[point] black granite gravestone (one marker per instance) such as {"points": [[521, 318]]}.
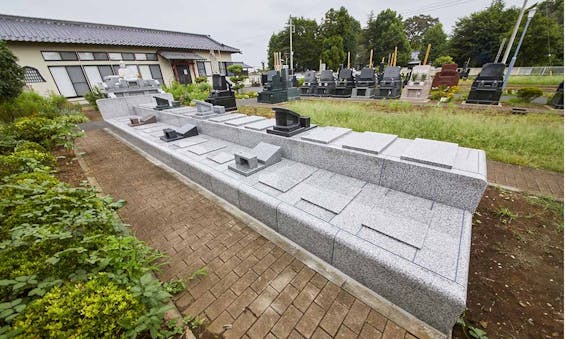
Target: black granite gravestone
{"points": [[163, 103], [310, 85], [277, 87], [345, 84], [365, 83], [222, 94], [391, 85], [326, 86], [487, 87], [557, 100], [289, 123], [185, 131]]}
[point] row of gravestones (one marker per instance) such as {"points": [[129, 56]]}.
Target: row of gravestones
{"points": [[388, 84]]}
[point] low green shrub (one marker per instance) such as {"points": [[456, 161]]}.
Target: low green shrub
{"points": [[201, 79], [31, 103], [94, 309], [59, 131], [300, 81], [94, 95], [527, 94], [247, 95], [25, 161], [28, 145], [186, 93]]}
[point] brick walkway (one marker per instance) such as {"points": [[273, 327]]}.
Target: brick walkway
{"points": [[253, 289], [535, 181]]}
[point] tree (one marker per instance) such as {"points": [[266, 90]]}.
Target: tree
{"points": [[437, 37], [442, 60], [478, 35], [11, 75], [238, 77], [338, 23], [305, 43], [333, 53], [385, 32], [415, 27]]}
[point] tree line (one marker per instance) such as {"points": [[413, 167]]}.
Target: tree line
{"points": [[475, 37]]}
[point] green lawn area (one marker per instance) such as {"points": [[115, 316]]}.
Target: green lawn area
{"points": [[535, 80], [534, 140]]}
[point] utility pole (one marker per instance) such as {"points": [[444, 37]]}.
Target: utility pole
{"points": [[514, 32], [531, 14], [291, 29]]}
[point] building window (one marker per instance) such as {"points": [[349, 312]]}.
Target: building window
{"points": [[115, 56], [156, 73], [128, 56], [100, 55], [51, 56], [70, 80], [140, 56], [201, 69], [68, 56], [32, 75], [105, 71], [85, 56], [151, 56]]}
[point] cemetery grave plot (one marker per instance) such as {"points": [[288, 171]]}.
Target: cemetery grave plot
{"points": [[339, 202]]}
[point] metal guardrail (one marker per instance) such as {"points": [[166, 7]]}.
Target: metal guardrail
{"points": [[539, 71]]}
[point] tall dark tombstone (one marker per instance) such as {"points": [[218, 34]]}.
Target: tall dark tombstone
{"points": [[222, 94], [345, 84], [277, 87], [326, 86], [289, 123], [391, 84], [310, 85], [448, 76], [365, 84], [557, 100], [487, 87]]}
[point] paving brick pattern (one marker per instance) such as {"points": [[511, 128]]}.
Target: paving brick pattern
{"points": [[253, 288], [531, 180]]}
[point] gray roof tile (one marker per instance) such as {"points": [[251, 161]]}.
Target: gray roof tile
{"points": [[18, 28]]}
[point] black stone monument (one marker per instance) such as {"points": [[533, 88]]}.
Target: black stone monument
{"points": [[289, 123], [345, 84], [391, 84], [365, 83], [310, 85], [277, 87], [326, 86], [163, 103], [222, 94], [487, 87], [187, 130]]}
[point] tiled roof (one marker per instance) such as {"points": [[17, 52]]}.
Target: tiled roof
{"points": [[18, 28]]}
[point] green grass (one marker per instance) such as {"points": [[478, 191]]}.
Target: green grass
{"points": [[547, 80], [534, 140]]}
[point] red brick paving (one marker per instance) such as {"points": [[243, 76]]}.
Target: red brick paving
{"points": [[252, 285], [531, 180]]}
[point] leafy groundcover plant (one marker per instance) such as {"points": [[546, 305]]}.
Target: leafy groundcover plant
{"points": [[68, 266]]}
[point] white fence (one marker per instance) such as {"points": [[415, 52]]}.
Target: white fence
{"points": [[545, 70]]}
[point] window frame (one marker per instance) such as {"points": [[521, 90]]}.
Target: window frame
{"points": [[42, 79]]}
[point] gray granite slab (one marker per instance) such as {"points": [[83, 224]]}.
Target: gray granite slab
{"points": [[244, 120], [314, 210], [221, 158], [398, 227], [325, 135], [387, 243], [261, 125], [369, 142], [286, 178], [189, 141], [326, 199], [153, 128], [227, 117], [207, 147], [431, 152], [467, 159]]}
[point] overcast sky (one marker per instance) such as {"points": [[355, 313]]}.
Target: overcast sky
{"points": [[245, 24]]}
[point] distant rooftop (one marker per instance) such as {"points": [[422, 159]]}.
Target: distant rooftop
{"points": [[19, 28]]}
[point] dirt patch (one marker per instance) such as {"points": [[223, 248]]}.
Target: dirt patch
{"points": [[68, 168], [91, 113], [516, 272]]}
